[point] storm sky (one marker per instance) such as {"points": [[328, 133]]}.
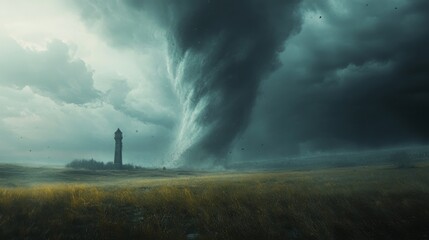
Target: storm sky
{"points": [[204, 83]]}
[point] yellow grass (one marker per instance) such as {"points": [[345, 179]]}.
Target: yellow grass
{"points": [[349, 203]]}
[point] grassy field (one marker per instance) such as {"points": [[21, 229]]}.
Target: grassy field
{"points": [[344, 203]]}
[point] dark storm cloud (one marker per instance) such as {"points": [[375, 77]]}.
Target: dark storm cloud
{"points": [[52, 73], [220, 51], [357, 78], [354, 76]]}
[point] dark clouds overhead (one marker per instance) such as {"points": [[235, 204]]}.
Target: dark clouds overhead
{"points": [[357, 78], [219, 52], [353, 74]]}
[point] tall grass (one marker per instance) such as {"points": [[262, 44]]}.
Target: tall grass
{"points": [[356, 203]]}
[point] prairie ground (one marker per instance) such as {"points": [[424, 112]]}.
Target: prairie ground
{"points": [[377, 202]]}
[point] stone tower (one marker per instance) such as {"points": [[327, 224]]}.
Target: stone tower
{"points": [[118, 148]]}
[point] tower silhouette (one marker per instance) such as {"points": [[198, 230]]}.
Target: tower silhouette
{"points": [[118, 148]]}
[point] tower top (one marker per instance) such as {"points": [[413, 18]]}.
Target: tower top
{"points": [[118, 134]]}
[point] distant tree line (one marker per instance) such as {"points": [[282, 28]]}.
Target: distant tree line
{"points": [[91, 164]]}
